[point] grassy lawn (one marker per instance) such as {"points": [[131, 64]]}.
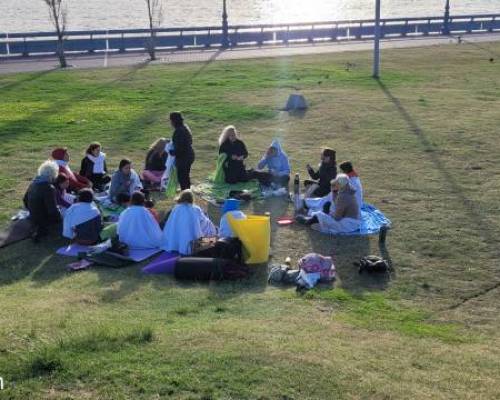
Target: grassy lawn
{"points": [[425, 141]]}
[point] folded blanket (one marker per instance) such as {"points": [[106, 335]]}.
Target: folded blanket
{"points": [[211, 191], [372, 219]]}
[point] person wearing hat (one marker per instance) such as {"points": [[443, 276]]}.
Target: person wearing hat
{"points": [[319, 186], [231, 206], [182, 141], [76, 181]]}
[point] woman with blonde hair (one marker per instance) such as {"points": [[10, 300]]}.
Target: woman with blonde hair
{"points": [[40, 199], [236, 152], [156, 160]]}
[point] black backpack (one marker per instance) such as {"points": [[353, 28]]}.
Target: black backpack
{"points": [[373, 264], [207, 269]]}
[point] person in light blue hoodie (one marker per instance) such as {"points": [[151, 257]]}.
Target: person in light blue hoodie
{"points": [[277, 164]]}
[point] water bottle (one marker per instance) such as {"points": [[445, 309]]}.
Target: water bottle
{"points": [[296, 193]]}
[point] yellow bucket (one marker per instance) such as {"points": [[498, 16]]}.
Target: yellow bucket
{"points": [[255, 234]]}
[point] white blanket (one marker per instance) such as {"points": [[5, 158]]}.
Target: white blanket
{"points": [[77, 214], [186, 223], [169, 165], [328, 224], [98, 162], [225, 230], [138, 229]]}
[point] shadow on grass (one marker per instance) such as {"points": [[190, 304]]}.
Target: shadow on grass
{"points": [[30, 78], [22, 127], [477, 218]]}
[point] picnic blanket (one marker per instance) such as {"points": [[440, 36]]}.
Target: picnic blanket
{"points": [[372, 219], [15, 232], [214, 192], [135, 255]]}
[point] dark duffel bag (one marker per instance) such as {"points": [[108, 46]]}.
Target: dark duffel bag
{"points": [[206, 269], [226, 248]]}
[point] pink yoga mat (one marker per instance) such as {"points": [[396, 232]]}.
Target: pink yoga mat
{"points": [[163, 264]]}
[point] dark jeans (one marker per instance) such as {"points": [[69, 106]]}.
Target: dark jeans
{"points": [[266, 178], [183, 171], [99, 181]]}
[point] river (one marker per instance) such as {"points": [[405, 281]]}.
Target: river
{"points": [[32, 15]]}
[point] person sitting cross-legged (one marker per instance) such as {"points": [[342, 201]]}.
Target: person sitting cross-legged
{"points": [[185, 223], [137, 227], [340, 217], [83, 221]]}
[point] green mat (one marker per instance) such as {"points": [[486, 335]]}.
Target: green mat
{"points": [[211, 191]]}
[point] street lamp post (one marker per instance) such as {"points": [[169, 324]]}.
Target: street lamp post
{"points": [[376, 50], [225, 26], [446, 26]]}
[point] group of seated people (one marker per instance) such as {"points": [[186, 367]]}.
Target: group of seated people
{"points": [[58, 194]]}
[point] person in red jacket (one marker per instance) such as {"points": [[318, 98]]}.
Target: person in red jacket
{"points": [[76, 181]]}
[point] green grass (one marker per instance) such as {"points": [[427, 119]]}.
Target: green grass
{"points": [[425, 141]]}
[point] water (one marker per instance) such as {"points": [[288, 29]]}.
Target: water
{"points": [[32, 15]]}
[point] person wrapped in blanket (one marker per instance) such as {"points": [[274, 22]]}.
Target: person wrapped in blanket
{"points": [[156, 160], [278, 167], [40, 200], [94, 168], [319, 186], [168, 174], [64, 199], [137, 227], [82, 221], [76, 181], [354, 180], [232, 207], [185, 223], [124, 183], [340, 216], [234, 148]]}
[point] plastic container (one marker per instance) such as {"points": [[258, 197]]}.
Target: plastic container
{"points": [[255, 234]]}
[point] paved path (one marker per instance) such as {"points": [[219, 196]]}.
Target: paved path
{"points": [[106, 60]]}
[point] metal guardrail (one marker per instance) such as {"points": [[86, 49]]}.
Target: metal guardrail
{"points": [[125, 40]]}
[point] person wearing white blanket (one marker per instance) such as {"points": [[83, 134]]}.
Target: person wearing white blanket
{"points": [[137, 227], [186, 222], [82, 221]]}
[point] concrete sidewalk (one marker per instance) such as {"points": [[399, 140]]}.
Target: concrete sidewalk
{"points": [[107, 60]]}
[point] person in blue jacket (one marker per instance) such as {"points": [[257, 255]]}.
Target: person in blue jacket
{"points": [[278, 167]]}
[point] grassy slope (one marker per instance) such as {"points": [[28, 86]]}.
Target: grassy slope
{"points": [[425, 142]]}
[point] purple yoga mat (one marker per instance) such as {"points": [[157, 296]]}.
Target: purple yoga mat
{"points": [[163, 264]]}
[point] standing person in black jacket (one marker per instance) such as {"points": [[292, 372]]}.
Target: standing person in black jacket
{"points": [[327, 171], [40, 200], [183, 149]]}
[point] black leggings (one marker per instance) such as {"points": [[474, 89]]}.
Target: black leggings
{"points": [[183, 171]]}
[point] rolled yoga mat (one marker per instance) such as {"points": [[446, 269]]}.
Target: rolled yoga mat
{"points": [[163, 264], [199, 269]]}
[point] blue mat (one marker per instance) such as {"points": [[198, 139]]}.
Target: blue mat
{"points": [[372, 219]]}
